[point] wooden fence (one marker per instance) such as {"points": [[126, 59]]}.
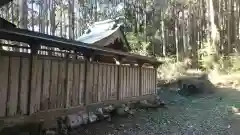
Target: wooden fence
{"points": [[33, 83]]}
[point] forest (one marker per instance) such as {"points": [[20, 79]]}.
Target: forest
{"points": [[205, 33]]}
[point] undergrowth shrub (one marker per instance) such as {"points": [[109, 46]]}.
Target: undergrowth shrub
{"points": [[171, 69], [210, 60]]}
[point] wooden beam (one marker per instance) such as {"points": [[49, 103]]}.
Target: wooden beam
{"points": [[27, 36]]}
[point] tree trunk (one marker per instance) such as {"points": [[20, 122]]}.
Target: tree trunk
{"points": [[163, 35], [229, 28], [71, 18], [176, 40], [185, 47], [23, 14], [52, 18]]}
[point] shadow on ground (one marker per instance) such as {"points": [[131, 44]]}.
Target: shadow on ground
{"points": [[201, 114]]}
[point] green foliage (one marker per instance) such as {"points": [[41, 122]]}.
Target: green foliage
{"points": [[229, 64], [171, 69], [137, 44], [208, 56], [210, 60]]}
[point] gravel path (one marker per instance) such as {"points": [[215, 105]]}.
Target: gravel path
{"points": [[205, 115]]}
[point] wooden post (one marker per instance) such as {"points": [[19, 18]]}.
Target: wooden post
{"points": [[33, 56], [140, 64], [86, 87], [66, 99], [118, 79]]}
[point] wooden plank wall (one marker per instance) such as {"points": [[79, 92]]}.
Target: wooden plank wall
{"points": [[103, 86], [148, 81], [129, 81], [14, 78], [57, 83]]}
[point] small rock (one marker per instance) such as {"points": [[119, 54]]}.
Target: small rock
{"points": [[138, 126], [85, 118], [131, 112], [235, 110], [50, 132], [92, 117], [109, 119]]}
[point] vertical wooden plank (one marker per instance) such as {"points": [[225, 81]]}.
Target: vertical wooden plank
{"points": [[143, 81], [148, 81], [130, 81], [134, 81], [153, 81], [46, 84], [54, 84], [61, 81], [111, 82], [24, 85], [96, 81], [140, 80], [80, 85], [124, 82], [116, 80], [93, 83], [39, 84], [35, 84], [13, 85], [113, 93], [75, 84], [89, 81], [100, 84], [137, 81], [69, 84], [104, 82], [121, 82], [108, 82], [4, 68], [127, 81], [82, 79]]}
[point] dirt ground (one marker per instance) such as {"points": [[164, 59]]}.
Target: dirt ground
{"points": [[202, 115]]}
